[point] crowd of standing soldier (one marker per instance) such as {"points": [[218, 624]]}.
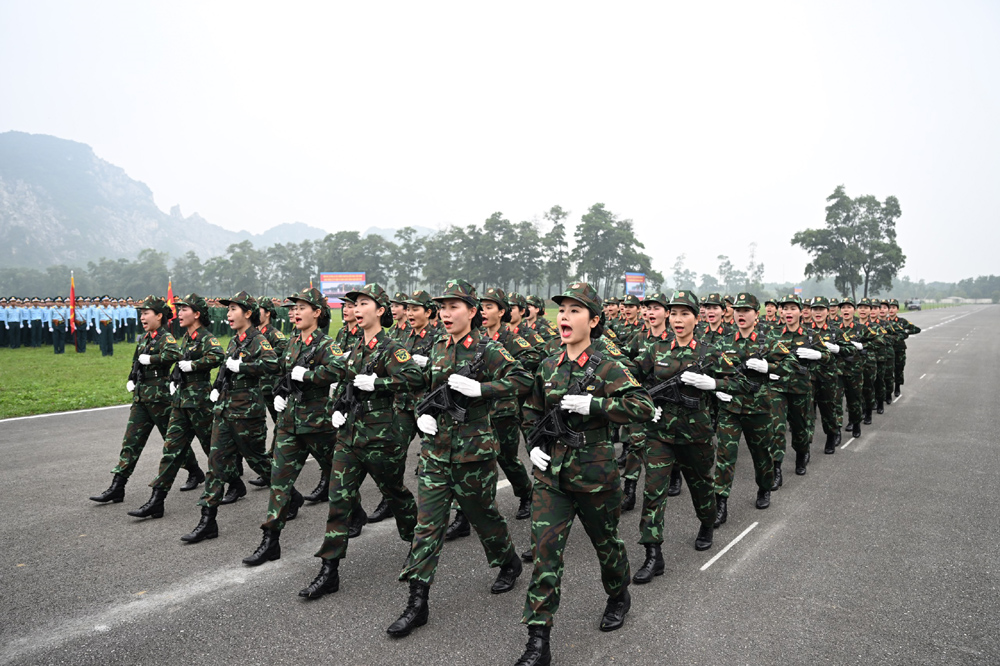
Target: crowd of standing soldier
{"points": [[677, 380]]}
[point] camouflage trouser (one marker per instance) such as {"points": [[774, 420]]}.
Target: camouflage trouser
{"points": [[868, 386], [852, 383], [795, 411], [290, 453], [185, 424], [474, 485], [757, 430], [233, 439], [825, 395], [385, 461], [878, 388], [141, 419], [889, 376], [696, 461], [269, 403], [634, 447], [508, 431], [552, 514], [900, 364]]}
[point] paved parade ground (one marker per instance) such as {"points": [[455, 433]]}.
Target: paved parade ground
{"points": [[885, 553]]}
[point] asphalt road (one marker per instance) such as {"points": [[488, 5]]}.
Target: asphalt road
{"points": [[884, 553]]}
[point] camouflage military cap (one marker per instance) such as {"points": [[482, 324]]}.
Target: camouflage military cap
{"points": [[585, 294], [498, 296], [835, 301], [728, 299], [884, 301], [372, 290], [517, 299], [657, 297], [614, 300], [421, 298], [865, 301], [893, 301], [398, 297], [312, 296], [629, 299], [242, 299], [536, 301], [847, 300], [267, 304], [461, 290], [713, 299], [686, 298], [193, 301], [746, 300], [791, 298], [820, 302], [154, 303]]}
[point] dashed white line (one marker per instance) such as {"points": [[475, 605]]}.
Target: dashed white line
{"points": [[923, 375], [938, 361], [848, 443], [728, 546]]}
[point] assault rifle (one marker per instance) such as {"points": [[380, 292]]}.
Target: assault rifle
{"points": [[287, 386], [442, 401], [669, 390], [223, 379], [552, 426], [349, 402], [179, 377], [138, 373]]}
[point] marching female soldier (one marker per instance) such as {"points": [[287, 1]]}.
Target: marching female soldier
{"points": [[873, 340], [907, 329], [853, 369], [269, 329]]}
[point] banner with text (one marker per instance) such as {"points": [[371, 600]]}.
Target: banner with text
{"points": [[635, 284], [335, 285]]}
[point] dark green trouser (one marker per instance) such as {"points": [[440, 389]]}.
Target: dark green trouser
{"points": [[185, 424], [889, 376], [142, 418], [474, 485], [232, 438], [59, 338], [795, 411], [900, 364], [878, 388], [757, 430], [268, 396], [81, 340], [825, 394], [853, 382], [106, 343], [696, 462], [385, 461], [290, 453], [508, 431], [634, 447], [868, 386], [552, 514]]}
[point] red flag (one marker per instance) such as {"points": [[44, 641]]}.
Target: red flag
{"points": [[170, 297], [72, 303]]}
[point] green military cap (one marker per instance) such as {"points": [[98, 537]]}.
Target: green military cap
{"points": [[713, 299], [517, 299], [865, 301], [398, 297], [728, 299], [686, 298], [585, 294], [242, 299], [847, 300], [884, 301], [746, 300], [372, 290], [612, 301], [421, 298], [267, 304], [629, 299], [193, 301], [791, 298], [820, 302], [893, 301], [461, 290], [536, 301], [347, 299], [658, 297], [497, 295], [835, 301], [154, 303], [312, 296]]}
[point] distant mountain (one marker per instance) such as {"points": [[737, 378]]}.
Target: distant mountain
{"points": [[61, 204]]}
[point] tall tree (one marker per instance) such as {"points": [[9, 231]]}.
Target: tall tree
{"points": [[557, 265], [684, 278]]}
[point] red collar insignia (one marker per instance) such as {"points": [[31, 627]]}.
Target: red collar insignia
{"points": [[467, 342], [373, 342], [194, 335], [243, 336], [582, 359], [308, 341], [152, 334]]}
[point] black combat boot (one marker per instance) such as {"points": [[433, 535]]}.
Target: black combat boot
{"points": [[849, 427], [115, 492], [536, 651], [381, 512], [616, 610], [653, 566], [868, 417], [415, 614], [831, 443], [259, 482], [358, 520], [327, 582], [880, 407], [237, 489], [888, 398], [801, 460], [196, 477], [628, 497], [321, 493], [721, 510], [622, 458], [294, 504], [857, 430], [268, 550], [704, 539], [777, 477], [897, 389], [763, 499], [153, 508], [528, 556], [207, 528], [459, 528], [524, 508], [508, 576], [674, 489]]}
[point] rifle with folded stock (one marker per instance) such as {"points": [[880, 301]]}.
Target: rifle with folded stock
{"points": [[552, 426], [442, 400]]}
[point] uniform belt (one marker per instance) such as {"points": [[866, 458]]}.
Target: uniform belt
{"points": [[203, 376], [476, 413], [245, 383], [105, 321], [375, 404], [57, 321], [154, 373]]}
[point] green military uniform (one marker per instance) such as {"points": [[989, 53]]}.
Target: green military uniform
{"points": [[852, 370], [541, 325], [874, 339], [894, 335], [279, 341], [400, 328], [907, 329], [826, 378]]}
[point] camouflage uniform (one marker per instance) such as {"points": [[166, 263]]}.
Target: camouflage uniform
{"points": [[852, 368], [459, 462], [541, 325], [417, 343], [151, 398], [907, 330], [825, 378], [894, 335], [873, 340], [371, 441], [279, 341], [580, 482]]}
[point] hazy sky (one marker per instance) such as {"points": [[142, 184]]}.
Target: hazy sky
{"points": [[711, 125]]}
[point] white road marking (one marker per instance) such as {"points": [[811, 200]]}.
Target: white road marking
{"points": [[74, 412], [503, 484], [728, 546], [923, 375], [848, 442]]}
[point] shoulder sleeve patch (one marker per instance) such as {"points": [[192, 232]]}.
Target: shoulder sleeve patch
{"points": [[335, 348], [171, 339], [278, 334], [265, 345], [402, 355], [506, 354], [630, 377], [521, 342], [214, 341], [612, 348]]}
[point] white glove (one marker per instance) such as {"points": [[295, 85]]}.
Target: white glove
{"points": [[173, 388], [657, 413], [539, 458], [280, 403], [233, 364], [757, 364], [857, 345], [833, 347], [333, 386], [808, 354], [465, 385], [724, 397], [51, 330], [420, 360], [773, 377], [298, 372], [698, 380], [427, 424], [185, 366], [578, 404], [214, 395], [144, 359], [345, 354], [130, 386], [365, 382], [339, 419]]}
